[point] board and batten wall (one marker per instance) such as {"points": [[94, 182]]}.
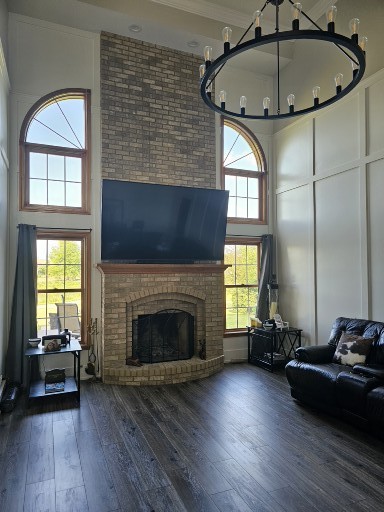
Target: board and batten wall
{"points": [[330, 211], [4, 169]]}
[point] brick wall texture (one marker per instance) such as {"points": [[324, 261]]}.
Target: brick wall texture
{"points": [[156, 129], [155, 126]]}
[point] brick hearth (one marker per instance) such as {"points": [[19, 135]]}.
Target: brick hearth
{"points": [[131, 290]]}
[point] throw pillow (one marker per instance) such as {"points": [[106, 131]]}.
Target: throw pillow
{"points": [[352, 349]]}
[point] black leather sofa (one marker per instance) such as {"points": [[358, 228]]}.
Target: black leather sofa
{"points": [[353, 391]]}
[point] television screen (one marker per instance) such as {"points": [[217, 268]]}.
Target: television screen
{"points": [[147, 223]]}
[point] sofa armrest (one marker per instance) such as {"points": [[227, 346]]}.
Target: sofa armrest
{"points": [[373, 370], [316, 354]]}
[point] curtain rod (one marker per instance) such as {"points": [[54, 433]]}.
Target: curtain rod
{"points": [[61, 229], [65, 229]]}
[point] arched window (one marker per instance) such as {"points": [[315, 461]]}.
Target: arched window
{"points": [[54, 153], [243, 174]]}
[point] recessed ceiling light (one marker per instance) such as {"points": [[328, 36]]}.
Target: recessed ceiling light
{"points": [[135, 28], [193, 44]]}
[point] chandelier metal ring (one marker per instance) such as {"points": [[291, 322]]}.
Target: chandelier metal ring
{"points": [[339, 40]]}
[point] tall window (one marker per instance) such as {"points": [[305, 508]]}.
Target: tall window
{"points": [[63, 270], [54, 153], [241, 281], [243, 174]]}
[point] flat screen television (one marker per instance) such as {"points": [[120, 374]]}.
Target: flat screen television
{"points": [[149, 223]]}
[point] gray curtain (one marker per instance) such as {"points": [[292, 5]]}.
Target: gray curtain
{"points": [[23, 315], [266, 271]]}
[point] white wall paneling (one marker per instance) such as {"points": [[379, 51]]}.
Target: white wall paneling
{"points": [[337, 135], [294, 154], [294, 226], [375, 179], [4, 165], [338, 242], [375, 117], [340, 231], [3, 260]]}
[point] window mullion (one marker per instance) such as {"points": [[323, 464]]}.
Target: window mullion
{"points": [[242, 172]]}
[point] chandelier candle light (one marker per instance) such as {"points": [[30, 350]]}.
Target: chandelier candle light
{"points": [[352, 47]]}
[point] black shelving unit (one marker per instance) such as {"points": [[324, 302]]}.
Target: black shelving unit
{"points": [[36, 389], [271, 349]]}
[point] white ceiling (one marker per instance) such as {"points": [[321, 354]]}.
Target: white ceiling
{"points": [[237, 13], [175, 23]]}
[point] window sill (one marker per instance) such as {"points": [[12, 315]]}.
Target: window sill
{"points": [[82, 210], [235, 334], [244, 220]]}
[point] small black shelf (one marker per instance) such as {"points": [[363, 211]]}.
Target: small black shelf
{"points": [[36, 388], [271, 349]]}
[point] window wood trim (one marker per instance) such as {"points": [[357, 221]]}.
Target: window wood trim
{"points": [[85, 239], [25, 149], [260, 175], [240, 240], [231, 171]]}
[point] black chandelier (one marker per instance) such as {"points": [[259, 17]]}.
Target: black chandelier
{"points": [[352, 47]]}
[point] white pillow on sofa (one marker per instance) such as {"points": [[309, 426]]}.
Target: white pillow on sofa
{"points": [[352, 349]]}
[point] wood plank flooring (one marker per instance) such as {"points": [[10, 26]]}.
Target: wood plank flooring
{"points": [[234, 442]]}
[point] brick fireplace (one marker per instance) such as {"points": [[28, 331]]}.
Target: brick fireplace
{"points": [[156, 129], [130, 290]]}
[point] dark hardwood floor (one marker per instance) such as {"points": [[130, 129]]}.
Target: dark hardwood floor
{"points": [[232, 442]]}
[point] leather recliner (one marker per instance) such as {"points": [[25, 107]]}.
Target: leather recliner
{"points": [[353, 392]]}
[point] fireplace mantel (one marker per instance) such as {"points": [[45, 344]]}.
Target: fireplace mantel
{"points": [[136, 268]]}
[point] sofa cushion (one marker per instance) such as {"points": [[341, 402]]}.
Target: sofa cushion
{"points": [[372, 370], [375, 405], [352, 349], [317, 380], [352, 389]]}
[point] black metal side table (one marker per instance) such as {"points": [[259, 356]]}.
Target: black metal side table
{"points": [[272, 348], [72, 384]]}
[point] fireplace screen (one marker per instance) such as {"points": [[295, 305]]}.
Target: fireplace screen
{"points": [[167, 335]]}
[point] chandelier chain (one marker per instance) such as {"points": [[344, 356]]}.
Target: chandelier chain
{"points": [[278, 59]]}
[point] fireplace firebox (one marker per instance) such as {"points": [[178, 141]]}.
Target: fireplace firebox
{"points": [[167, 335], [131, 290]]}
